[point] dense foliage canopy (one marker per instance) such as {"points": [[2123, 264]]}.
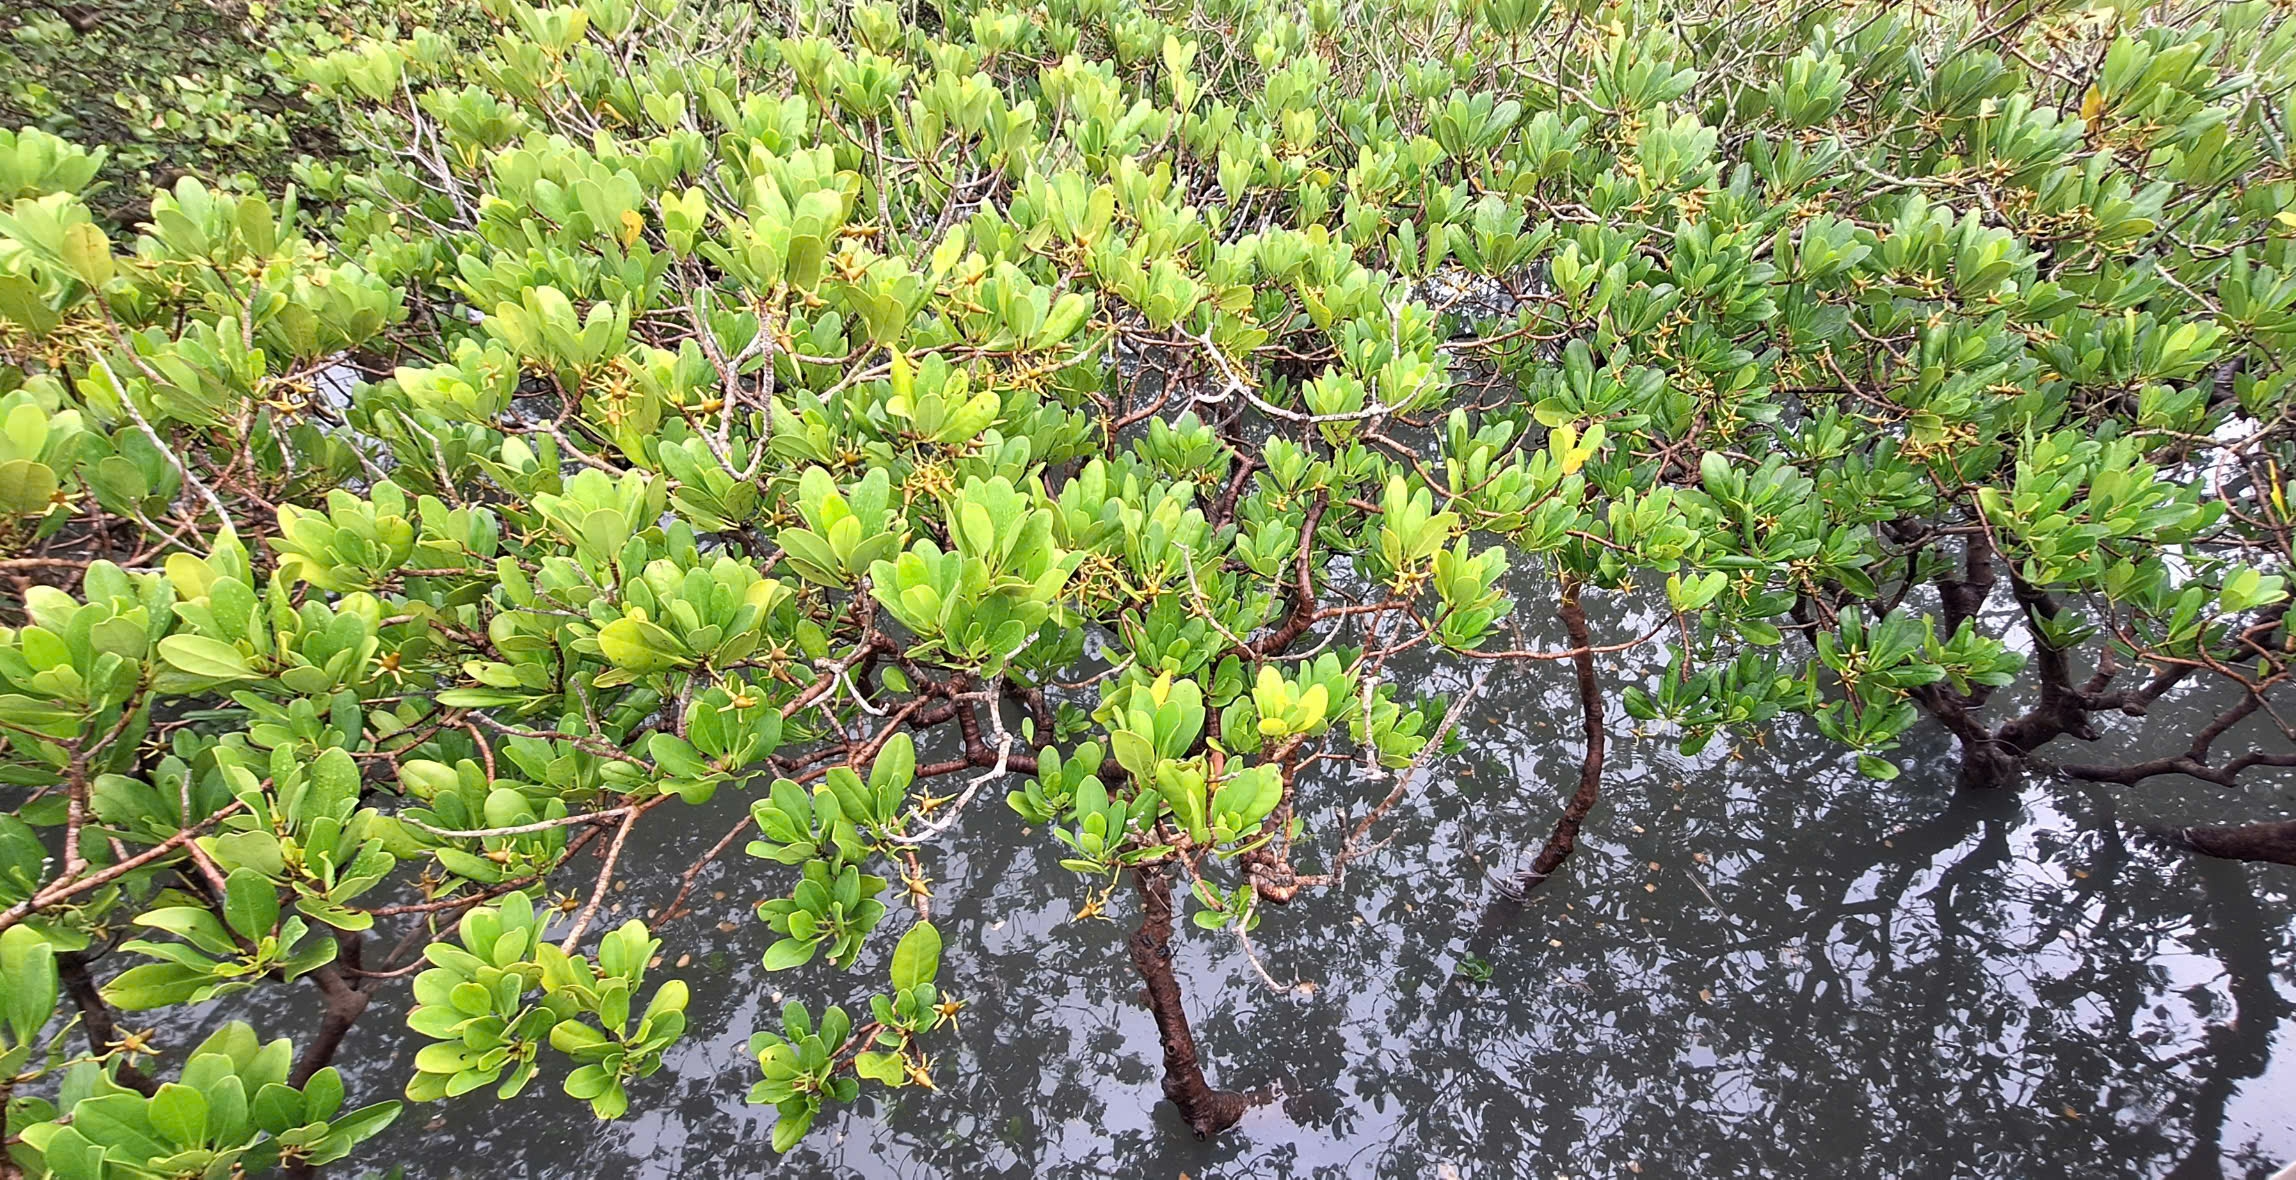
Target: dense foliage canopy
{"points": [[170, 87], [877, 412]]}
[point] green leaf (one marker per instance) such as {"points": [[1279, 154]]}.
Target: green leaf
{"points": [[154, 985], [250, 903], [676, 756], [790, 1128], [1134, 753], [638, 645], [323, 1094], [352, 1129], [790, 952], [119, 1122], [884, 1068], [201, 656], [918, 957], [28, 969], [26, 487], [179, 1113], [277, 1107]]}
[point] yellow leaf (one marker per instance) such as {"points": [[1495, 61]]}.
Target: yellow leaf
{"points": [[904, 374], [632, 226], [89, 253]]}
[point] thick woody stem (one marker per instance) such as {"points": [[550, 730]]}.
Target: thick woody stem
{"points": [[1206, 1111]]}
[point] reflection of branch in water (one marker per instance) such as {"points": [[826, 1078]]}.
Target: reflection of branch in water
{"points": [[2096, 881], [1944, 1027], [2239, 1048], [1902, 855]]}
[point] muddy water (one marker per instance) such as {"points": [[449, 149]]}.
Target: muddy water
{"points": [[1759, 963]]}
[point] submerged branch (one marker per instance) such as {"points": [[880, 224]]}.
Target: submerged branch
{"points": [[2274, 843]]}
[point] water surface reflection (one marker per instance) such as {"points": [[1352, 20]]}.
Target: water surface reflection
{"points": [[1759, 963]]}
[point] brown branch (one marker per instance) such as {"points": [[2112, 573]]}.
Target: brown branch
{"points": [[96, 1017], [2271, 842], [63, 890], [1224, 510], [345, 1003], [694, 871], [605, 877], [1564, 840], [1301, 592], [1206, 1111], [2136, 772]]}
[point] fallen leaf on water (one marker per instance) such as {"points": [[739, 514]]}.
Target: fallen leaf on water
{"points": [[1706, 994]]}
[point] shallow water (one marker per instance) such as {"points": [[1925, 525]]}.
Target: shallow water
{"points": [[1758, 963]]}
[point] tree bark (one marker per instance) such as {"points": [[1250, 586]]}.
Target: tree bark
{"points": [[1206, 1111], [1564, 840], [2194, 761], [1995, 757], [1963, 599], [346, 1000], [344, 1006], [96, 1017], [2271, 842], [345, 996], [1300, 594]]}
